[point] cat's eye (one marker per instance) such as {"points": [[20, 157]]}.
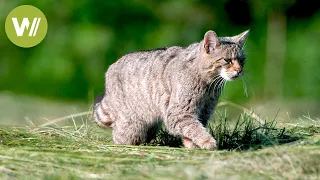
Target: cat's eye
{"points": [[227, 60]]}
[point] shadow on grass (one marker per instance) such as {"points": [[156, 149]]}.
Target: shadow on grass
{"points": [[246, 133]]}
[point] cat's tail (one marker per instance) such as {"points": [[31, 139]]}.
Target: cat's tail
{"points": [[100, 114]]}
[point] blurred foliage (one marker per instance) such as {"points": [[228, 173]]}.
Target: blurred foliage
{"points": [[85, 36]]}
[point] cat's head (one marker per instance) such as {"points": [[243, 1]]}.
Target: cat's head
{"points": [[225, 54]]}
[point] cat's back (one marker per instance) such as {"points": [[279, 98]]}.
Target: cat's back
{"points": [[147, 56], [143, 63]]}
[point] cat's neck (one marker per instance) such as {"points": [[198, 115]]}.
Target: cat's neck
{"points": [[203, 70]]}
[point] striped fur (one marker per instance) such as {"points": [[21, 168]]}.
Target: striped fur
{"points": [[175, 85], [100, 114]]}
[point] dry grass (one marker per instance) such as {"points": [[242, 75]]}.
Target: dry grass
{"points": [[249, 149]]}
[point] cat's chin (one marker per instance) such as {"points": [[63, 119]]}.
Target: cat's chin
{"points": [[226, 77], [229, 79]]}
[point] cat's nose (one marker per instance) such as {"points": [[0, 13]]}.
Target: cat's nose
{"points": [[238, 70]]}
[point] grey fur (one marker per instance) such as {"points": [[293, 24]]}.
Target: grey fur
{"points": [[176, 85]]}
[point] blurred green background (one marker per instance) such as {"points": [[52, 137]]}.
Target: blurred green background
{"points": [[66, 70]]}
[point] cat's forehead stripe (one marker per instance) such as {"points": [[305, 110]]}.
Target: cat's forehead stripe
{"points": [[233, 53], [230, 54]]}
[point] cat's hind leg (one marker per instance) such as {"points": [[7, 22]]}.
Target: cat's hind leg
{"points": [[129, 132]]}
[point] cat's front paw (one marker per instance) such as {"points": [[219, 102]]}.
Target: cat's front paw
{"points": [[208, 143]]}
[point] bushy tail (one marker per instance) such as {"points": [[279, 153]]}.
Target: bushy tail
{"points": [[100, 114]]}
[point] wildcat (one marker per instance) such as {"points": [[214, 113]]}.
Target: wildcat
{"points": [[177, 85]]}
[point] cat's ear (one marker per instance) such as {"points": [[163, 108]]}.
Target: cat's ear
{"points": [[210, 41], [241, 38]]}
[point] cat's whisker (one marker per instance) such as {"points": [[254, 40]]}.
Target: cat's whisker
{"points": [[245, 89], [216, 85], [222, 85], [216, 88], [247, 74], [248, 82], [216, 77], [212, 83], [216, 82]]}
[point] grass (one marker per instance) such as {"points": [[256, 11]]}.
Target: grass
{"points": [[248, 149]]}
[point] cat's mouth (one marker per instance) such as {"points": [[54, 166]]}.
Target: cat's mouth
{"points": [[229, 76]]}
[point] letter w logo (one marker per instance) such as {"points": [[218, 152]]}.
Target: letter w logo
{"points": [[25, 25]]}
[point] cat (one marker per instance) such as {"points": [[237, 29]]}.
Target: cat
{"points": [[179, 86]]}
